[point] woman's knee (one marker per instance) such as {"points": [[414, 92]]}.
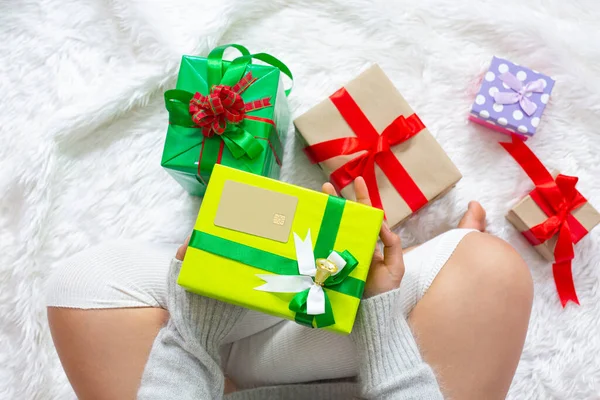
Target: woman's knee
{"points": [[111, 275], [74, 280], [497, 267], [472, 323]]}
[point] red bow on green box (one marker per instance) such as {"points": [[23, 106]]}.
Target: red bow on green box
{"points": [[223, 111]]}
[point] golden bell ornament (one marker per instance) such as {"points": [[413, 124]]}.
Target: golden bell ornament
{"points": [[325, 269]]}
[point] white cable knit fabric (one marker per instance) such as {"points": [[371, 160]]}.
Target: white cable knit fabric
{"points": [[118, 275], [112, 275]]}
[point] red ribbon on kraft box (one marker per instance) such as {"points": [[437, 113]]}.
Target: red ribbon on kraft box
{"points": [[377, 151], [557, 198]]}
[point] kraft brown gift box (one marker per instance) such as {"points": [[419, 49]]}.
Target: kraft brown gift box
{"points": [[421, 155], [527, 214]]}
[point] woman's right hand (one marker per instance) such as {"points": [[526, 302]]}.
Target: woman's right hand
{"points": [[387, 267]]}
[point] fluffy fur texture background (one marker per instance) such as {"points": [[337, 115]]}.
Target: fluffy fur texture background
{"points": [[82, 128]]}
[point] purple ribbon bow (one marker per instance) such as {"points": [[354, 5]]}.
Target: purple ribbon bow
{"points": [[519, 93]]}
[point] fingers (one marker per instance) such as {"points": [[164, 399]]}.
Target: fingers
{"points": [[328, 188], [362, 193], [182, 250], [377, 255], [362, 196], [392, 249], [360, 189]]}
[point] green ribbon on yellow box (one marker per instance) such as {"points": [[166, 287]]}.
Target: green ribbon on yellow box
{"points": [[280, 265]]}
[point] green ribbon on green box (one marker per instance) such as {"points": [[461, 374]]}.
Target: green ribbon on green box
{"points": [[241, 135], [280, 265]]}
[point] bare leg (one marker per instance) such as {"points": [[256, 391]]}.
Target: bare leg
{"points": [[472, 322], [104, 352]]}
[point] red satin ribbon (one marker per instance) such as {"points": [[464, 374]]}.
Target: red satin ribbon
{"points": [[377, 151], [557, 198]]}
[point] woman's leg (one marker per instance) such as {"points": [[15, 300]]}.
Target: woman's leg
{"points": [[104, 311], [104, 352], [472, 322], [105, 308], [473, 298]]}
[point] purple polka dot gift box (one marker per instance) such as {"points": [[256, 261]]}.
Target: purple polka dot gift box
{"points": [[511, 99]]}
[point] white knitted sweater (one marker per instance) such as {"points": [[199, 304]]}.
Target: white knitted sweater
{"points": [[184, 361]]}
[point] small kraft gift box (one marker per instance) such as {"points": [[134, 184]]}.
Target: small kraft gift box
{"points": [[367, 129], [511, 99], [281, 249], [233, 113], [552, 217]]}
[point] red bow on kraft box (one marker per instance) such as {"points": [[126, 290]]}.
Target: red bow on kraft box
{"points": [[568, 216], [367, 129], [378, 151]]}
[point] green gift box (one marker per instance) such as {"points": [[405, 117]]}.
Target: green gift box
{"points": [[233, 113]]}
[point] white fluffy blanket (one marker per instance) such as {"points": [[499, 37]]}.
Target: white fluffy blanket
{"points": [[83, 123]]}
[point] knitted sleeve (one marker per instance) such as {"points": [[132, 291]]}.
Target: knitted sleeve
{"points": [[184, 360], [391, 366]]}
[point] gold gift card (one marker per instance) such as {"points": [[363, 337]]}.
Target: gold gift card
{"points": [[262, 212]]}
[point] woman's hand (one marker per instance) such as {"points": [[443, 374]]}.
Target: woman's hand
{"points": [[182, 249], [387, 268]]}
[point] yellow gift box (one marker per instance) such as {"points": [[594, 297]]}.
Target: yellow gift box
{"points": [[256, 238]]}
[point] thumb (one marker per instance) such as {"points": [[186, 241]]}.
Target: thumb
{"points": [[182, 249], [392, 250]]}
